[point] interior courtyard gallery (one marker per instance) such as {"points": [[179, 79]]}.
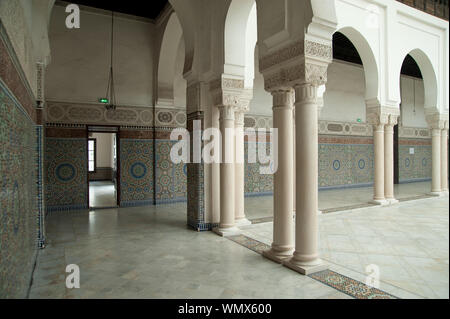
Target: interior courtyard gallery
{"points": [[333, 182]]}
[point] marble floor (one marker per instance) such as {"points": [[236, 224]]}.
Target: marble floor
{"points": [[407, 242], [330, 199], [148, 252], [102, 194]]}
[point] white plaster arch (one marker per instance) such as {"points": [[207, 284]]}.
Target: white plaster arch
{"points": [[429, 78], [173, 35], [366, 53], [240, 36]]}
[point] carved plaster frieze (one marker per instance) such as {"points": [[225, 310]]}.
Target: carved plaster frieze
{"points": [[230, 92], [437, 120], [381, 115], [292, 51]]}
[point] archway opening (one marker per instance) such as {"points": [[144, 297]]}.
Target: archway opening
{"points": [[412, 148]]}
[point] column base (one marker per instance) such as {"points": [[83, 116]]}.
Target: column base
{"points": [[306, 268], [392, 201], [277, 256], [226, 232], [381, 202], [242, 222], [435, 194]]}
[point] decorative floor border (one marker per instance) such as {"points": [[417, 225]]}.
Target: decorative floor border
{"points": [[344, 284], [349, 286]]}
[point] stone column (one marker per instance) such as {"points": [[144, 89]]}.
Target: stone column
{"points": [[389, 159], [227, 226], [444, 158], [239, 170], [436, 161], [378, 178], [283, 183], [306, 255]]}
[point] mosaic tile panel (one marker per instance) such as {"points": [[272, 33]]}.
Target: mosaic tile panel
{"points": [[350, 286], [255, 182], [345, 164], [136, 173], [170, 178], [66, 173], [417, 166], [196, 185], [18, 209]]}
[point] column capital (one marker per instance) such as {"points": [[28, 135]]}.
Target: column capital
{"points": [[227, 112], [381, 115], [229, 90], [283, 98], [300, 62], [239, 117], [437, 121]]}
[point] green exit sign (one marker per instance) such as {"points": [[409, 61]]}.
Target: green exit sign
{"points": [[103, 100], [358, 120]]}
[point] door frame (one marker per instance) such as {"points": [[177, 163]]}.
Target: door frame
{"points": [[98, 129]]}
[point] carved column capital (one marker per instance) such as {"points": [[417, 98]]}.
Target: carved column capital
{"points": [[302, 62], [381, 115], [437, 120]]}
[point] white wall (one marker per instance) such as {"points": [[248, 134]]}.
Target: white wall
{"points": [[104, 149], [412, 90], [344, 98], [80, 58]]}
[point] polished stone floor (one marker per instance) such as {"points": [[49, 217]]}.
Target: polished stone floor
{"points": [[260, 207], [102, 194], [148, 252], [408, 242]]}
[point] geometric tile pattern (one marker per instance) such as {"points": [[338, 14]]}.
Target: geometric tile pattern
{"points": [[255, 182], [345, 164], [171, 178], [18, 193], [415, 166], [136, 173], [249, 243], [66, 173], [350, 286]]}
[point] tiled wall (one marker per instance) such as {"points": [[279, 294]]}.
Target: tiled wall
{"points": [[345, 161], [18, 178], [136, 172], [171, 178], [66, 173], [148, 176], [416, 166]]}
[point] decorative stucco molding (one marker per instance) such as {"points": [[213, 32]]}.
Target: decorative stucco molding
{"points": [[79, 113]]}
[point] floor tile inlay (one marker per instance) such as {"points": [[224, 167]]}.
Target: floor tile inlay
{"points": [[350, 286]]}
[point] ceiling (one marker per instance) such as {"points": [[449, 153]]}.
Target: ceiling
{"points": [[343, 49], [147, 9]]}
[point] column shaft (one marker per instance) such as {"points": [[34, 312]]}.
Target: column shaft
{"points": [[306, 256], [436, 161], [444, 160], [389, 163], [378, 148], [283, 183], [239, 170], [227, 174]]}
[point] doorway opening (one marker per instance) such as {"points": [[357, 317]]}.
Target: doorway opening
{"points": [[103, 163]]}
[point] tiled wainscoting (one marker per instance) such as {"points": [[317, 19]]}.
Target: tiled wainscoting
{"points": [[414, 160], [18, 176]]}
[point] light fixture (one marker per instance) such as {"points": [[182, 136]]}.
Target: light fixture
{"points": [[110, 99]]}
